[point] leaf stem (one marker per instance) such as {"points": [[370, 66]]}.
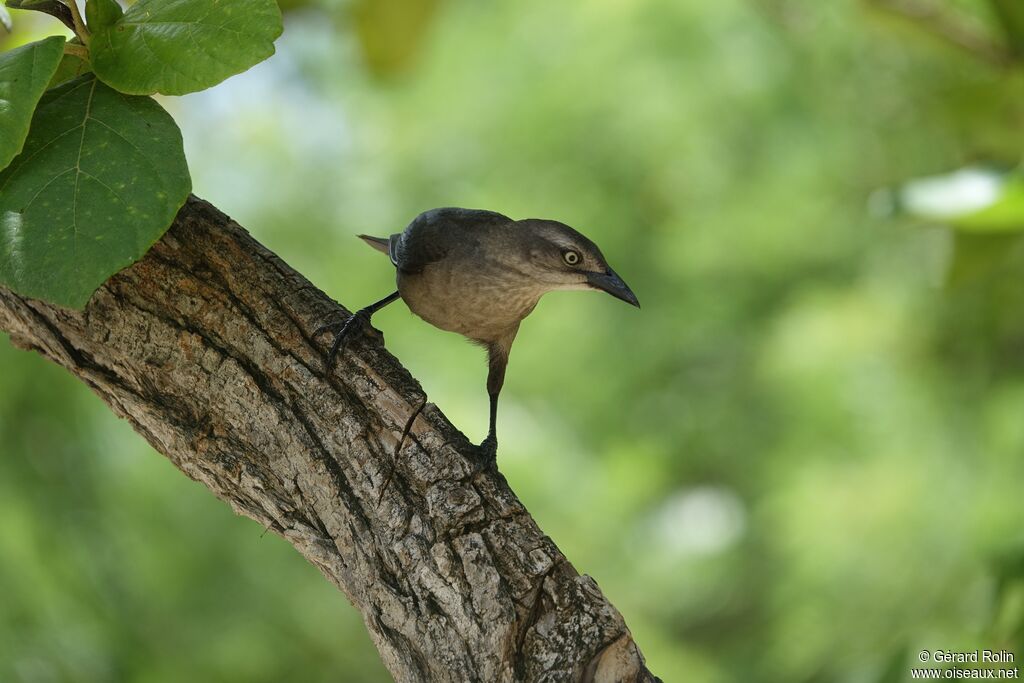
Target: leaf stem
{"points": [[80, 51], [80, 28]]}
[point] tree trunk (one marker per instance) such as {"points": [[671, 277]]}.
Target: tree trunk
{"points": [[204, 346]]}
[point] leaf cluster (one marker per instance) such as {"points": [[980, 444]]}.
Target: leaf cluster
{"points": [[92, 170]]}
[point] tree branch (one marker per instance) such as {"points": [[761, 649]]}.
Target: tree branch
{"points": [[942, 24], [204, 347]]}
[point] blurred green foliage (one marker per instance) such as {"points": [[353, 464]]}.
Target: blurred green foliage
{"points": [[800, 462]]}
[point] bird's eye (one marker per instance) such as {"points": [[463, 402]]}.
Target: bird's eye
{"points": [[571, 257]]}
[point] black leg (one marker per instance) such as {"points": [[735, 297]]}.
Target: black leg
{"points": [[497, 358], [489, 446], [344, 328]]}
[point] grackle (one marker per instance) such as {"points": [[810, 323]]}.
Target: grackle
{"points": [[479, 273]]}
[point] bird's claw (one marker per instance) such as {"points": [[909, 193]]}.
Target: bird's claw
{"points": [[343, 330], [487, 456]]}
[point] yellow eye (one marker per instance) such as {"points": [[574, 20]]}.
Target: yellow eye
{"points": [[571, 257]]}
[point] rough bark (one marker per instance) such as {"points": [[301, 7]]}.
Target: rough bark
{"points": [[204, 346]]}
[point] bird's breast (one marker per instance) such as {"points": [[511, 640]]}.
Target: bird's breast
{"points": [[479, 305]]}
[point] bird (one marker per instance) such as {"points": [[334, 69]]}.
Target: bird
{"points": [[479, 273]]}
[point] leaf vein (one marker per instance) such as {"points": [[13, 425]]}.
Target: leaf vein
{"points": [[51, 181], [78, 175], [168, 65], [13, 169], [189, 24], [152, 166]]}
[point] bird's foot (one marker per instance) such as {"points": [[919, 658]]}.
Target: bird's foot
{"points": [[343, 330], [487, 456]]}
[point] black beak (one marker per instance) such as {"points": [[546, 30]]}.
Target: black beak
{"points": [[613, 284]]}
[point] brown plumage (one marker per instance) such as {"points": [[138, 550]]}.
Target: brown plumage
{"points": [[479, 273]]}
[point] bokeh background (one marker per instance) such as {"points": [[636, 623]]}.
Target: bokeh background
{"points": [[800, 462]]}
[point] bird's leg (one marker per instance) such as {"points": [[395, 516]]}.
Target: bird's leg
{"points": [[345, 327], [489, 446], [497, 358]]}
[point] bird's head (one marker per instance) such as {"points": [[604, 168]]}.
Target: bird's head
{"points": [[562, 258]]}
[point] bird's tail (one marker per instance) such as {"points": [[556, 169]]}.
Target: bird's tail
{"points": [[378, 243]]}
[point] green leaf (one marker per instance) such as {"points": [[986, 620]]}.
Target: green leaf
{"points": [[176, 47], [100, 179], [70, 67], [24, 74], [100, 13]]}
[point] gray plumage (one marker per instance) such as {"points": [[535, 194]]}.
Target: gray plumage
{"points": [[479, 273]]}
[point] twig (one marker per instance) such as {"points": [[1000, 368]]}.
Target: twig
{"points": [[398, 448], [80, 51], [80, 28], [944, 26]]}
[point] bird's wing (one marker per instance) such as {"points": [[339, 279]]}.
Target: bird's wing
{"points": [[436, 233], [412, 250]]}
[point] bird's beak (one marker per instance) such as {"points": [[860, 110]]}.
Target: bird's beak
{"points": [[613, 284]]}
